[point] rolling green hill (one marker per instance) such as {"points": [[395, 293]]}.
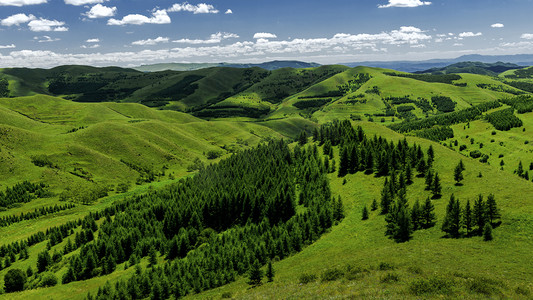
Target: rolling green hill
{"points": [[186, 177], [491, 69]]}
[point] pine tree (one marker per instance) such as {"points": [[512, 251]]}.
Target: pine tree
{"points": [[452, 220], [458, 173], [255, 275], [520, 170], [270, 272], [487, 232], [468, 221], [398, 220], [421, 168], [431, 156], [479, 214], [338, 213], [302, 139], [429, 180], [152, 256], [428, 214], [364, 213], [491, 209], [408, 173], [416, 216], [386, 198], [374, 205], [344, 163], [436, 187]]}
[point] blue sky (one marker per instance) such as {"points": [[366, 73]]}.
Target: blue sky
{"points": [[45, 33]]}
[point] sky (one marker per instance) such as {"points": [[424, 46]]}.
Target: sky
{"points": [[47, 33]]}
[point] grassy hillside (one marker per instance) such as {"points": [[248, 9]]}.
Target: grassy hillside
{"points": [[93, 155], [470, 264]]}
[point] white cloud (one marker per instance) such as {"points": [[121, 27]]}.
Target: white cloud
{"points": [[404, 3], [241, 50], [229, 12], [527, 36], [83, 2], [264, 35], [469, 34], [497, 25], [213, 39], [101, 11], [21, 2], [458, 45], [418, 46], [92, 41], [201, 8], [7, 46], [91, 46], [46, 25], [158, 17], [46, 39], [150, 42], [17, 19]]}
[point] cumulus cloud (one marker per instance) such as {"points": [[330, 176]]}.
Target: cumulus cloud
{"points": [[82, 2], [149, 42], [213, 39], [342, 42], [158, 17], [527, 36], [201, 8], [264, 35], [497, 25], [228, 12], [404, 3], [469, 34], [92, 41], [21, 2], [7, 46], [46, 25], [17, 19], [46, 39], [101, 11]]}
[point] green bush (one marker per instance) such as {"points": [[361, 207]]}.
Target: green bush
{"points": [[483, 286], [48, 279], [14, 280], [331, 274], [431, 285], [385, 266], [307, 278]]}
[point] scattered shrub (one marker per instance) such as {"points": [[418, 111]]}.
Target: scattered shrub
{"points": [[431, 285], [483, 286], [385, 266], [307, 278], [390, 278], [48, 279], [331, 274], [226, 295]]}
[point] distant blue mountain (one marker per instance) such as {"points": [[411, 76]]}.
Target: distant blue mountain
{"points": [[417, 66]]}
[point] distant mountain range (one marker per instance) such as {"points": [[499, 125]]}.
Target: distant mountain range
{"points": [[271, 65], [473, 68], [416, 66]]}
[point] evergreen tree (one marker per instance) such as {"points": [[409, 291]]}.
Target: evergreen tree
{"points": [[302, 138], [421, 168], [386, 198], [364, 213], [436, 187], [431, 156], [429, 180], [152, 256], [398, 220], [270, 272], [255, 275], [520, 170], [344, 163], [468, 220], [427, 214], [487, 232], [479, 214], [408, 173], [338, 213], [416, 216], [43, 261], [458, 173], [491, 209], [452, 220], [374, 205]]}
